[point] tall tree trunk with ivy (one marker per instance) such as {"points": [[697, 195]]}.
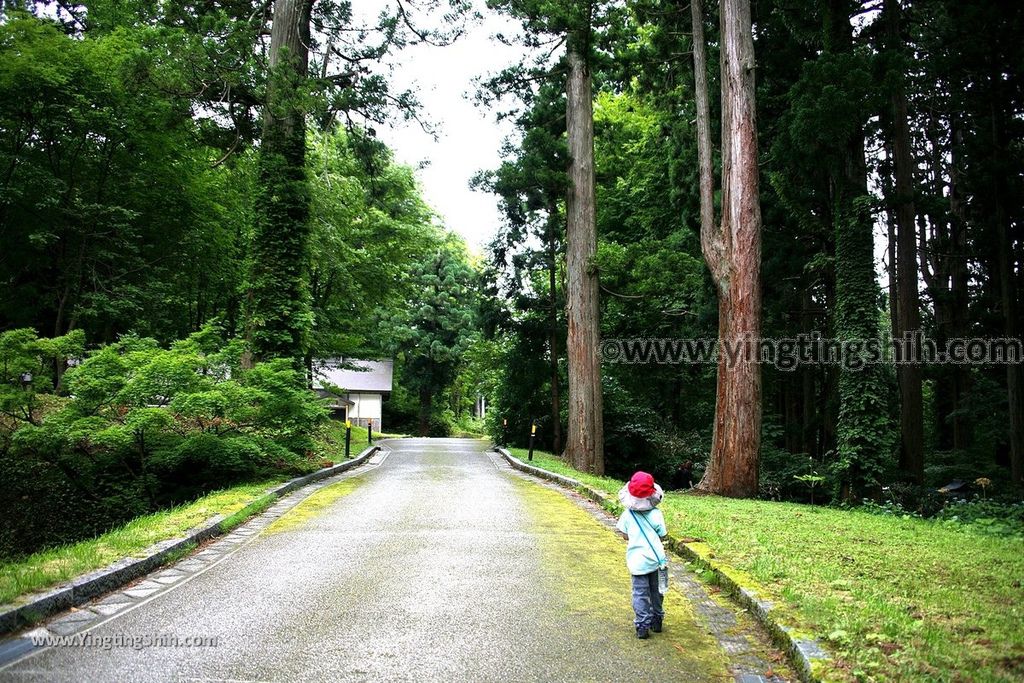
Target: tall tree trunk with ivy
{"points": [[732, 249], [585, 443], [862, 427], [279, 314]]}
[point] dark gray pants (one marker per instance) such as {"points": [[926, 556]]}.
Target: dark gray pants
{"points": [[647, 600]]}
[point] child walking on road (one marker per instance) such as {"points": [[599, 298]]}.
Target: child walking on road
{"points": [[643, 525]]}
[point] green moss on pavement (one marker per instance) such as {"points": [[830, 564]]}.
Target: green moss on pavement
{"points": [[894, 599], [314, 505], [588, 570]]}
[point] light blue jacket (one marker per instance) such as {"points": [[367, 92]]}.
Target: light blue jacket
{"points": [[640, 559]]}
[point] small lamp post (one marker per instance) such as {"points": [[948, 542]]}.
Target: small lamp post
{"points": [[348, 437], [26, 379], [504, 431], [533, 433]]}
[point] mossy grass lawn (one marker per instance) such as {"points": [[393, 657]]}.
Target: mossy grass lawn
{"points": [[892, 598], [48, 568]]}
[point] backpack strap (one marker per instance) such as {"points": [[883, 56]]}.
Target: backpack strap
{"points": [[657, 557]]}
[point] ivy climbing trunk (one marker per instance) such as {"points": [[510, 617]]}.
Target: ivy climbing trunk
{"points": [[732, 250], [279, 314], [585, 443], [861, 428]]}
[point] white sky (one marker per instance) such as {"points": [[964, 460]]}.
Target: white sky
{"points": [[469, 138]]}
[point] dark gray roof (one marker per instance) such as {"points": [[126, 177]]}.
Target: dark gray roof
{"points": [[360, 375]]}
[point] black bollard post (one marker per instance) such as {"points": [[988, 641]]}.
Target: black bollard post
{"points": [[348, 438], [533, 433], [369, 432]]}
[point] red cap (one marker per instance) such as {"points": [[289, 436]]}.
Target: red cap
{"points": [[641, 485]]}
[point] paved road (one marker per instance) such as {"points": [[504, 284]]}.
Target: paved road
{"points": [[438, 565]]}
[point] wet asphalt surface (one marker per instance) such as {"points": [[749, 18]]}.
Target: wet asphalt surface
{"points": [[433, 567]]}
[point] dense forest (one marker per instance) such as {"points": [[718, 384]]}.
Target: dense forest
{"points": [[195, 205], [890, 167], [172, 263]]}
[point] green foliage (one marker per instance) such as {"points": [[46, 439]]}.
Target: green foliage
{"points": [[106, 194], [146, 427], [825, 76], [435, 328], [520, 394], [29, 364], [976, 515], [651, 271], [131, 187], [986, 517], [368, 223]]}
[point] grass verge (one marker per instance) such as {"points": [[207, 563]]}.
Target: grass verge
{"points": [[48, 568], [893, 598], [332, 440]]}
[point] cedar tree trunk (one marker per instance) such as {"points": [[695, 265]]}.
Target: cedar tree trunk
{"points": [[732, 250], [585, 444]]}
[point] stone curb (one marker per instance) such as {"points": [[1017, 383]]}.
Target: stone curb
{"points": [[806, 655], [80, 590]]}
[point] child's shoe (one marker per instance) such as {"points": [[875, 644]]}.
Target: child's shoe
{"points": [[641, 633], [656, 625]]}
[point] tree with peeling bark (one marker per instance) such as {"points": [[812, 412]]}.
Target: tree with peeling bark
{"points": [[573, 24], [584, 446], [732, 250]]}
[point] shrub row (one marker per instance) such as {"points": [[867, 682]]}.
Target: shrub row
{"points": [[132, 427]]}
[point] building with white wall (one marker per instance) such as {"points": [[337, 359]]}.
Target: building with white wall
{"points": [[357, 388]]}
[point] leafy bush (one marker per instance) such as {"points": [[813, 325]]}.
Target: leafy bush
{"points": [[888, 508], [994, 518], [143, 427], [986, 516], [440, 424], [467, 425]]}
